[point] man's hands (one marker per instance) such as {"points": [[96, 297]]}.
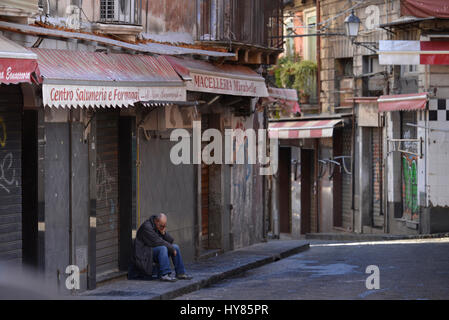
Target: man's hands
{"points": [[162, 228]]}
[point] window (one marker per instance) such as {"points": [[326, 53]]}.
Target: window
{"points": [[121, 11], [373, 82], [310, 42], [409, 70], [289, 42], [344, 67], [371, 64]]}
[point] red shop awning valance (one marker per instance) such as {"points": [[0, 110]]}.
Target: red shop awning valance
{"points": [[17, 64], [403, 102]]}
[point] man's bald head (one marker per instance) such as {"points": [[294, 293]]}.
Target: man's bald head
{"points": [[161, 222], [162, 218]]}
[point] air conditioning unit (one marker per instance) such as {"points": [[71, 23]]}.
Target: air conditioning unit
{"points": [[121, 18], [120, 11]]}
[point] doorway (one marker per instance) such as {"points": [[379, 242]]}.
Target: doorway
{"points": [[211, 191], [30, 188], [285, 157], [307, 171]]}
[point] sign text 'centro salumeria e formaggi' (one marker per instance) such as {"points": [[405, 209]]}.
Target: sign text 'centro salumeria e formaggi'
{"points": [[85, 96], [224, 85]]}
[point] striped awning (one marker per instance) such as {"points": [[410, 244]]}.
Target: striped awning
{"points": [[302, 129], [405, 52], [403, 102]]}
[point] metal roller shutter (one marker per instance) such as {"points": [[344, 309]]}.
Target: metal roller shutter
{"points": [[204, 190], [107, 239], [10, 173], [346, 193], [376, 152]]}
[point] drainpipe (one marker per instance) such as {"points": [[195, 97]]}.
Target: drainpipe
{"points": [[353, 143], [71, 245], [317, 186], [275, 203], [318, 54], [138, 174]]}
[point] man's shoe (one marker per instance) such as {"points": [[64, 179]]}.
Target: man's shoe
{"points": [[168, 278], [184, 277]]}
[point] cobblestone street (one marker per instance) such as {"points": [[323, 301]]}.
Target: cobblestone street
{"points": [[409, 269]]}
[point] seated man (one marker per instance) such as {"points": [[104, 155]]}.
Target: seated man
{"points": [[154, 245]]}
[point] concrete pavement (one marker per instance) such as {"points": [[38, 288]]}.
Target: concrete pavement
{"points": [[205, 272], [409, 269]]}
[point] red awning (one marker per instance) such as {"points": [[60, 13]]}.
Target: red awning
{"points": [[403, 102], [425, 8], [202, 76], [287, 99], [17, 64], [81, 78], [302, 129]]}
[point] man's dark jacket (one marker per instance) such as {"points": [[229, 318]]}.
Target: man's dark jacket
{"points": [[147, 238]]}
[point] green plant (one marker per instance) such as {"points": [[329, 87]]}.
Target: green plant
{"points": [[291, 72], [305, 77]]}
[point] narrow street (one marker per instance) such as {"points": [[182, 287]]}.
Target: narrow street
{"points": [[409, 269], [241, 146]]}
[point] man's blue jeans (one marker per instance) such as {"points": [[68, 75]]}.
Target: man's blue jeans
{"points": [[162, 257]]}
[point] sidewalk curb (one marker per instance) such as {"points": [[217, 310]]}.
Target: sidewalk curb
{"points": [[229, 273], [370, 237]]}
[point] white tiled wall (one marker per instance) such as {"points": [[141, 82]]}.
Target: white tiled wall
{"points": [[438, 153]]}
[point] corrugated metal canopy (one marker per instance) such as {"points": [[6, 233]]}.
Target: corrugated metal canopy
{"points": [[67, 66], [96, 79], [184, 66], [155, 48], [10, 49], [204, 76]]}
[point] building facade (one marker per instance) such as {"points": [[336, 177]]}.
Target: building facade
{"points": [[371, 174], [86, 136]]}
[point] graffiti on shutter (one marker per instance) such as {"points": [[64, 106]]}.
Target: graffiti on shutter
{"points": [[107, 193], [10, 174]]}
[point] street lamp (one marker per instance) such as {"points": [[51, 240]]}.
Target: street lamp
{"points": [[352, 26]]}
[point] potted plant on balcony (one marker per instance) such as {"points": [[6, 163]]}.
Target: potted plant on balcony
{"points": [[305, 77], [292, 72]]}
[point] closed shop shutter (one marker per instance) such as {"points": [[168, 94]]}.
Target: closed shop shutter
{"points": [[376, 176], [10, 173], [346, 193], [107, 239], [313, 194], [204, 189]]}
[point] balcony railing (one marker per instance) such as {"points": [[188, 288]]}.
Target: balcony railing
{"points": [[253, 22]]}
